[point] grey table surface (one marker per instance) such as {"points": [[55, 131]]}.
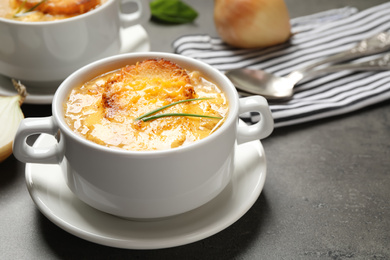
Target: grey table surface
{"points": [[326, 195]]}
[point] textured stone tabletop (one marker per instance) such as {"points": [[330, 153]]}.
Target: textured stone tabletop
{"points": [[326, 194]]}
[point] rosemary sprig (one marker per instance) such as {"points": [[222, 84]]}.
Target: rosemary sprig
{"points": [[177, 114], [142, 117], [19, 14]]}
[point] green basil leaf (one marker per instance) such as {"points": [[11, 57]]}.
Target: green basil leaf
{"points": [[172, 11]]}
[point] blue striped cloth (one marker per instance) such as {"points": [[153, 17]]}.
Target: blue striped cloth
{"points": [[314, 38]]}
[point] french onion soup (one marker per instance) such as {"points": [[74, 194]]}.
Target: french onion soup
{"points": [[151, 105], [45, 10]]}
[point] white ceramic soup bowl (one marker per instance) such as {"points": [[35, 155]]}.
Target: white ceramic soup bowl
{"points": [[43, 54], [149, 184]]}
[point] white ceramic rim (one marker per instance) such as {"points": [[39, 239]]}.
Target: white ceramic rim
{"points": [[230, 92], [66, 20]]}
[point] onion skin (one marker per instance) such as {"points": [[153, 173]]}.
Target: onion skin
{"points": [[252, 23], [5, 151], [10, 117]]}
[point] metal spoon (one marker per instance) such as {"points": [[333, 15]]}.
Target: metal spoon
{"points": [[273, 87]]}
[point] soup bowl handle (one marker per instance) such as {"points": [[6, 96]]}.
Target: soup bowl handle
{"points": [[138, 17], [26, 153], [263, 127]]}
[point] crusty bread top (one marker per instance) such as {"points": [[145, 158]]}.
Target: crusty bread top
{"points": [[59, 7], [155, 80], [104, 110]]}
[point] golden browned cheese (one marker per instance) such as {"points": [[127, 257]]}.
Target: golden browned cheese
{"points": [[65, 7], [104, 110], [47, 10]]}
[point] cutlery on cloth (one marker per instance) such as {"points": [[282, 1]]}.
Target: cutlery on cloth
{"points": [[315, 37], [272, 87]]}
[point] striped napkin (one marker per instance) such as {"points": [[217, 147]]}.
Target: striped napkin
{"points": [[315, 37]]}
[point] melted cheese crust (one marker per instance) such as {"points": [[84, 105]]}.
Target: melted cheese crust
{"points": [[103, 110], [49, 10]]}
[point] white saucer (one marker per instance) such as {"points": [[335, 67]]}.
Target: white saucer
{"points": [[134, 39], [50, 193]]}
